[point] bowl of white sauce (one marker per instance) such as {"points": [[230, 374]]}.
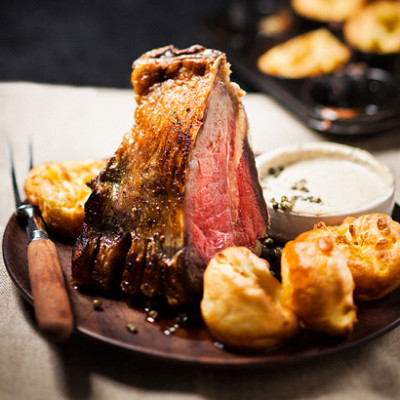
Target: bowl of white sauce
{"points": [[322, 181]]}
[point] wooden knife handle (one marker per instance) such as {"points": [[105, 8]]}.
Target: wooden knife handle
{"points": [[50, 298]]}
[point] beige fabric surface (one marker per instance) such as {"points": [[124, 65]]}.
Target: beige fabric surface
{"points": [[77, 123]]}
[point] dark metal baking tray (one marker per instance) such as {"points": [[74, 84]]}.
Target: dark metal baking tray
{"points": [[361, 98]]}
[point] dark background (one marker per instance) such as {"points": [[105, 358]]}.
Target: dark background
{"points": [[92, 43]]}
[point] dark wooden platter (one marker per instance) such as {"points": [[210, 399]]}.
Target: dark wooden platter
{"points": [[188, 344]]}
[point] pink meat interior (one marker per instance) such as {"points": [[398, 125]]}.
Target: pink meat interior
{"points": [[221, 208]]}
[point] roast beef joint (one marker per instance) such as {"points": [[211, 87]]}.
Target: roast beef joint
{"points": [[181, 186]]}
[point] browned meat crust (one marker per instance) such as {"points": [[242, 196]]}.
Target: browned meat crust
{"points": [[136, 232]]}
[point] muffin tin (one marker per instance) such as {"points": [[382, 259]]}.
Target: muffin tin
{"points": [[363, 97]]}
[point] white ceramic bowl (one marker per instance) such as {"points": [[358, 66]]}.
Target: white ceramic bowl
{"points": [[322, 181]]}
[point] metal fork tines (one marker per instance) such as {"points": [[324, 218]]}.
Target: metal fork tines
{"points": [[10, 154], [35, 227]]}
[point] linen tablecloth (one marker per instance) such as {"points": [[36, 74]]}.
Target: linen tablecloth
{"points": [[69, 123]]}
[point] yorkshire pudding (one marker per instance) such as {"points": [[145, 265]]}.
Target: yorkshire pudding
{"points": [[376, 28], [325, 268], [327, 11], [60, 191], [317, 282], [242, 302], [371, 244], [310, 54]]}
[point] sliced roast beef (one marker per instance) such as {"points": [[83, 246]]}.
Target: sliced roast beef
{"points": [[181, 186]]}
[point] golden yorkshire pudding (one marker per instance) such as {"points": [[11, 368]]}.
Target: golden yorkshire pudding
{"points": [[376, 28], [313, 53], [327, 10], [317, 282], [60, 191], [372, 247], [242, 302]]}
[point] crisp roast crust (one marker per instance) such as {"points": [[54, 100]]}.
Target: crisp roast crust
{"points": [[181, 186]]}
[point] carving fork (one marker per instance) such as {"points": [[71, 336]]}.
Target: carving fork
{"points": [[50, 298]]}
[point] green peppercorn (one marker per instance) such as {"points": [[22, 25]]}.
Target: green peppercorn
{"points": [[96, 304], [131, 328], [153, 314], [269, 241]]}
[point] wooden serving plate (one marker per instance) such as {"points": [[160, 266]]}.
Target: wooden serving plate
{"points": [[188, 344]]}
